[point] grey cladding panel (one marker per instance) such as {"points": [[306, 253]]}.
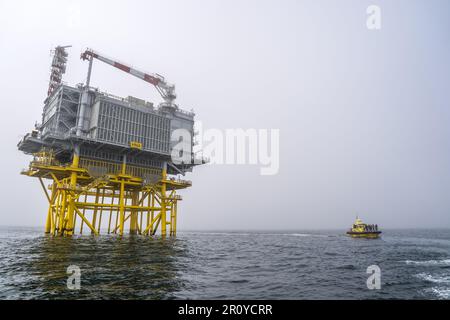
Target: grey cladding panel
{"points": [[121, 125]]}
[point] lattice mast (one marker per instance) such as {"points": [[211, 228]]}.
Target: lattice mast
{"points": [[58, 68]]}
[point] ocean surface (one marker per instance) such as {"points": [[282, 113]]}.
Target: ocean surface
{"points": [[414, 264]]}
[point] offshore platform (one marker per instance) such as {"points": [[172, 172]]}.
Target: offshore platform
{"points": [[109, 159]]}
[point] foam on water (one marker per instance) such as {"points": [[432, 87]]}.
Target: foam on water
{"points": [[441, 293], [252, 234], [443, 262], [442, 278], [224, 265]]}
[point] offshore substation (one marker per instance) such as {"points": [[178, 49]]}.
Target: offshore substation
{"points": [[109, 159]]}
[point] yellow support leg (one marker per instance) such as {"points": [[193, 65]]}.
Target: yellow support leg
{"points": [[73, 183], [77, 192], [121, 207], [62, 213], [163, 202], [94, 216], [51, 199], [121, 196], [101, 212], [133, 213], [56, 209], [173, 219], [84, 211]]}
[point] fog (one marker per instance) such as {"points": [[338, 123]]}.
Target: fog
{"points": [[363, 114]]}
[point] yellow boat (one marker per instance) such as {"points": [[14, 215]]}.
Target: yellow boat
{"points": [[362, 230]]}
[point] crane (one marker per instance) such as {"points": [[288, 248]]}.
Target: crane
{"points": [[167, 91]]}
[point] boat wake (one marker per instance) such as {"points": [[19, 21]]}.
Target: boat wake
{"points": [[440, 288], [257, 234], [434, 278], [444, 262], [305, 235], [440, 281]]}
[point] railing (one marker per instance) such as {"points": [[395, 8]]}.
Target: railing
{"points": [[201, 159], [109, 95], [189, 113], [45, 158], [106, 167], [181, 181]]}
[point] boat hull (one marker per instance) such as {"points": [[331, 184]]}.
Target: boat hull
{"points": [[366, 234]]}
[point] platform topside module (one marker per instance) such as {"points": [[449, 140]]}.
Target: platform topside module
{"points": [[107, 155]]}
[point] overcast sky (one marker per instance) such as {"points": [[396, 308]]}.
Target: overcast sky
{"points": [[363, 114]]}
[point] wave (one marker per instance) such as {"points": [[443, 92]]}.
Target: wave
{"points": [[444, 262], [257, 234], [304, 235], [442, 293], [434, 278]]}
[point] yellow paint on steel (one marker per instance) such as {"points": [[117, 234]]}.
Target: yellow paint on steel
{"points": [[110, 212], [94, 217], [140, 208], [101, 211], [163, 202], [133, 214], [85, 220], [136, 145]]}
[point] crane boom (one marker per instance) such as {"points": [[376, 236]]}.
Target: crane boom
{"points": [[167, 91]]}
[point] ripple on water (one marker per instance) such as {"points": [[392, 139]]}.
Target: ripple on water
{"points": [[224, 265]]}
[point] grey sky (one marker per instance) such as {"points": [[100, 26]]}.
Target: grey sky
{"points": [[363, 115]]}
